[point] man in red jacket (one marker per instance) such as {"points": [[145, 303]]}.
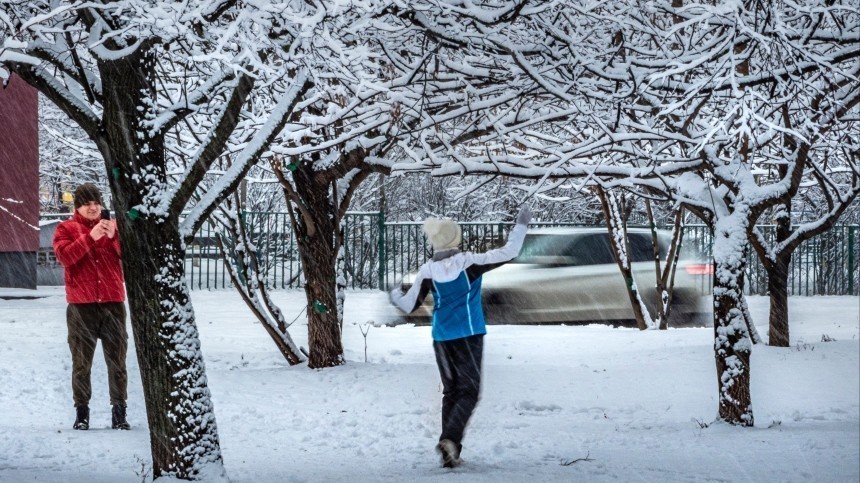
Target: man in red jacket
{"points": [[88, 248]]}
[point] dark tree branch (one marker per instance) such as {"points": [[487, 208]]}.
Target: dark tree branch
{"points": [[82, 76], [61, 97], [215, 146]]}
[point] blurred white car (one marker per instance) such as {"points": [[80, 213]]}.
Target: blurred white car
{"points": [[569, 275]]}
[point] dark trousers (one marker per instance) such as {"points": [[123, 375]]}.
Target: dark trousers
{"points": [[87, 324], [459, 362]]}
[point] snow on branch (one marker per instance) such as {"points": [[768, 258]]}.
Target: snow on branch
{"points": [[251, 153]]}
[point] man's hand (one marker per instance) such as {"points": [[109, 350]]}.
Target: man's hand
{"points": [[98, 231], [110, 228], [104, 228], [524, 216]]}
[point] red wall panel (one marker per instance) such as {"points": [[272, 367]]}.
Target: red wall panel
{"points": [[19, 167]]}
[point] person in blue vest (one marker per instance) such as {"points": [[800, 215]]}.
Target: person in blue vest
{"points": [[458, 327]]}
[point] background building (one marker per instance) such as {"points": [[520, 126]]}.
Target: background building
{"points": [[19, 184]]}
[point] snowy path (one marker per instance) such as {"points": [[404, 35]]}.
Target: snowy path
{"points": [[631, 401]]}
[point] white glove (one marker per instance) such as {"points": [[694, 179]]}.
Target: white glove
{"points": [[395, 294]]}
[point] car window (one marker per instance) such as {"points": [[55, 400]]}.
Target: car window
{"points": [[593, 249], [545, 249], [585, 249], [642, 250]]}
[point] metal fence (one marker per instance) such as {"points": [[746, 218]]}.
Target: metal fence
{"points": [[378, 253], [824, 265]]}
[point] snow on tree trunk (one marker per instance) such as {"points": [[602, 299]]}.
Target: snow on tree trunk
{"points": [[183, 433], [244, 271], [618, 239], [663, 294], [667, 277], [732, 343]]}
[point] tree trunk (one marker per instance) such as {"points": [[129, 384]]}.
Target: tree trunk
{"points": [[667, 277], [745, 309], [732, 344], [183, 435], [777, 287], [317, 200], [662, 292], [616, 224], [316, 236], [325, 348], [243, 268]]}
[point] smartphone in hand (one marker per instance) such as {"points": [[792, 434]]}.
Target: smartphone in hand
{"points": [[105, 214]]}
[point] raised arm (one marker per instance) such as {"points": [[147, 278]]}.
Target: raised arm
{"points": [[484, 262], [413, 298]]}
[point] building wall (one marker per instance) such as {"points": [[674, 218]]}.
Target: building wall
{"points": [[19, 184], [49, 271]]}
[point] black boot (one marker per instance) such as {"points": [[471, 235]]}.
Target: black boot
{"points": [[118, 417], [82, 419], [450, 452]]}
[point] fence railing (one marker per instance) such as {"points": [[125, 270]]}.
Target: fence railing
{"points": [[378, 253]]}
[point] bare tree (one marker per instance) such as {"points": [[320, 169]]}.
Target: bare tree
{"points": [[242, 264], [130, 76], [836, 183], [66, 158], [617, 225], [685, 100], [359, 126]]}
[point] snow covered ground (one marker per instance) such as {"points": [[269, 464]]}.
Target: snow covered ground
{"points": [[634, 403]]}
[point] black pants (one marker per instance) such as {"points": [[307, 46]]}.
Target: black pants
{"points": [[87, 324], [459, 362]]}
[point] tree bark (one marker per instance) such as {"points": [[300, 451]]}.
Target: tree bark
{"points": [[777, 280], [667, 278], [316, 235], [662, 291], [618, 239], [183, 434], [317, 201], [732, 343], [777, 287]]}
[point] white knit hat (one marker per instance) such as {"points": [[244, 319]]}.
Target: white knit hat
{"points": [[443, 234]]}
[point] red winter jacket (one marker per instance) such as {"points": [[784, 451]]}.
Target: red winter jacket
{"points": [[93, 269]]}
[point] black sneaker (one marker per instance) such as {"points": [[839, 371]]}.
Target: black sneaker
{"points": [[118, 418], [82, 419], [450, 453]]}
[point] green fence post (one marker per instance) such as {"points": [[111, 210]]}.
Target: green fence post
{"points": [[380, 247], [240, 264], [851, 264]]}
